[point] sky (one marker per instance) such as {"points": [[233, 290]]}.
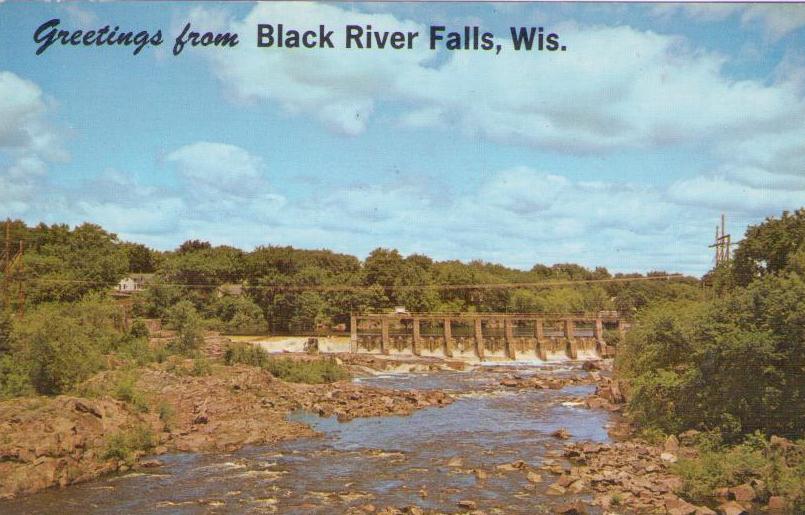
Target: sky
{"points": [[623, 151]]}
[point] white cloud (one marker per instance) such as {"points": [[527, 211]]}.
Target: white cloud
{"points": [[27, 142], [775, 19], [615, 87]]}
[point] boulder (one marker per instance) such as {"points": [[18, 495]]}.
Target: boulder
{"points": [[574, 508], [671, 444], [467, 504], [732, 508], [743, 493], [777, 504], [677, 506], [668, 457]]}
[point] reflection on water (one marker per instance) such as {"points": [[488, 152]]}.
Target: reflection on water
{"points": [[396, 461]]}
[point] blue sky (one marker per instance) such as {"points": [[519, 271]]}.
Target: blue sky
{"points": [[621, 152]]}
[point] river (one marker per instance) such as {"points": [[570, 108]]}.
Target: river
{"points": [[432, 459]]}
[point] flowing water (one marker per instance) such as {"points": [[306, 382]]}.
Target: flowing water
{"points": [[427, 459]]}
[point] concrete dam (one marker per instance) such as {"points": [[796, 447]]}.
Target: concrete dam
{"points": [[487, 336]]}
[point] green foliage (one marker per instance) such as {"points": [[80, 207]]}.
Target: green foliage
{"points": [[6, 329], [126, 390], [67, 264], [142, 260], [201, 366], [139, 330], [734, 365], [59, 354], [124, 444], [167, 414], [184, 318], [246, 354], [238, 315], [324, 370], [770, 247], [318, 371], [15, 379], [136, 351], [719, 466]]}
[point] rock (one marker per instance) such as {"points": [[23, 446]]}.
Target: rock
{"points": [[704, 510], [777, 504], [595, 402], [591, 365], [575, 508], [577, 486], [480, 474], [413, 510], [780, 442], [671, 444], [510, 383], [668, 457], [455, 461], [743, 493], [150, 463], [732, 508], [677, 506], [566, 480], [534, 477], [556, 489], [561, 433], [467, 504]]}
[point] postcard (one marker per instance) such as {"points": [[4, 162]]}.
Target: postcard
{"points": [[402, 257]]}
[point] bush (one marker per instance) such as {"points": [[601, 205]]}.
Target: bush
{"points": [[15, 380], [126, 391], [184, 318], [734, 366], [201, 366], [310, 372], [167, 414], [719, 466], [139, 330], [246, 354], [136, 350], [324, 370], [123, 444], [60, 354]]}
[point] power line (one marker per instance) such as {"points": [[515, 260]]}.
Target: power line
{"points": [[348, 288]]}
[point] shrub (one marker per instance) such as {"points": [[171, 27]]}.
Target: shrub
{"points": [[123, 444], [310, 372], [60, 353], [720, 466], [324, 370], [126, 391], [184, 318], [139, 330], [201, 366], [167, 414], [245, 353], [136, 350]]}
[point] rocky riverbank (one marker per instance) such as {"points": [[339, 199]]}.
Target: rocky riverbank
{"points": [[58, 441]]}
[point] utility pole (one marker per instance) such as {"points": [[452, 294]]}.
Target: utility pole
{"points": [[6, 263], [722, 243], [21, 285]]}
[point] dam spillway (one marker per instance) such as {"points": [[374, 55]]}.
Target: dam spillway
{"points": [[485, 336]]}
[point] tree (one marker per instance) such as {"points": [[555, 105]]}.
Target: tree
{"points": [[141, 259], [184, 318], [768, 247]]}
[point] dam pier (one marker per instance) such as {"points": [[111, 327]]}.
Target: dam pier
{"points": [[485, 336]]}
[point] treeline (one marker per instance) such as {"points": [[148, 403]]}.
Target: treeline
{"points": [[734, 364], [283, 289]]}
